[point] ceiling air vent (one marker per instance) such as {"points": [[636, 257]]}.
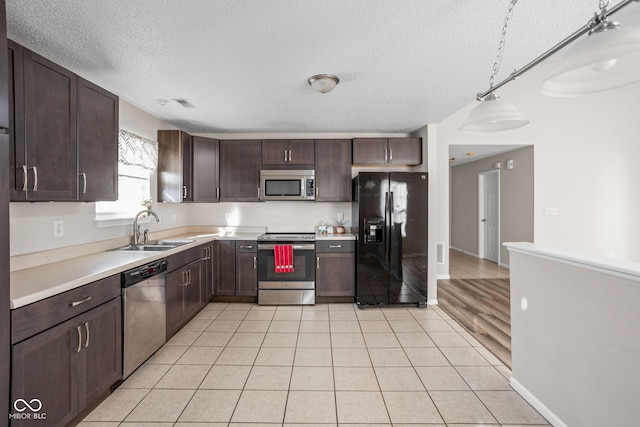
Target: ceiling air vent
{"points": [[184, 102]]}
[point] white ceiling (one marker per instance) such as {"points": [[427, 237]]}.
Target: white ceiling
{"points": [[244, 64]]}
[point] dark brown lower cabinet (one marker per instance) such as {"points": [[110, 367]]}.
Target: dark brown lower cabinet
{"points": [[207, 272], [246, 268], [225, 268], [67, 368], [335, 268], [184, 295]]}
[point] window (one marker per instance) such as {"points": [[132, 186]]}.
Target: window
{"points": [[137, 158]]}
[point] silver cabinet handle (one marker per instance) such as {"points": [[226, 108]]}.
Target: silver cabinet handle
{"points": [[82, 301], [246, 246], [289, 155], [285, 155], [335, 246], [217, 193], [206, 254], [86, 327], [390, 154], [84, 183], [385, 154], [24, 177], [79, 340], [35, 178], [258, 192], [184, 191], [254, 262], [317, 262]]}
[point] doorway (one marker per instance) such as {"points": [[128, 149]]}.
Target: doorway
{"points": [[489, 215]]}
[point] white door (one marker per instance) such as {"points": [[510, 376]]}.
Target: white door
{"points": [[489, 215]]}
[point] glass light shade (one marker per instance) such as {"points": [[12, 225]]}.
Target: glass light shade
{"points": [[603, 61], [493, 115], [323, 82]]}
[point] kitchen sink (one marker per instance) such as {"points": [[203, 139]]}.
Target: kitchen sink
{"points": [[157, 246]]}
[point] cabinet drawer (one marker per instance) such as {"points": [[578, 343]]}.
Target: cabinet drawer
{"points": [[335, 245], [246, 246], [34, 318], [183, 258]]}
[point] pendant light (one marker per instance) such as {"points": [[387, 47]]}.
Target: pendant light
{"points": [[609, 58], [494, 114]]}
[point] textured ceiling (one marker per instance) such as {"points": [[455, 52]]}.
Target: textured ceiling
{"points": [[244, 64]]}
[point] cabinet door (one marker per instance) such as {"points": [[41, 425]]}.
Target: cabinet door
{"points": [[187, 166], [207, 272], [193, 289], [301, 152], [240, 163], [174, 166], [46, 367], [335, 274], [225, 268], [333, 170], [17, 176], [102, 349], [370, 151], [176, 281], [405, 151], [206, 187], [275, 152], [49, 120], [5, 350], [246, 274], [97, 143]]}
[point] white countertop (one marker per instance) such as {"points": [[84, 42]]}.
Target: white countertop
{"points": [[36, 283], [334, 236]]}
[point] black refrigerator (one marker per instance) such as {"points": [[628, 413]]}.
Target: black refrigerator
{"points": [[390, 219]]}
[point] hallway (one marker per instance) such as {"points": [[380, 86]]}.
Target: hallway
{"points": [[477, 296]]}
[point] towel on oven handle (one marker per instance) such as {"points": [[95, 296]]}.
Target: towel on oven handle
{"points": [[283, 258]]}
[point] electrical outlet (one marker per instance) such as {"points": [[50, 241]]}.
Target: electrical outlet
{"points": [[58, 228], [340, 217], [174, 217], [227, 216]]}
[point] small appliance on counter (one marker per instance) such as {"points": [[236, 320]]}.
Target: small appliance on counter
{"points": [[286, 269]]}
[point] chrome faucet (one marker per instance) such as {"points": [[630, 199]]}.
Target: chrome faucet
{"points": [[136, 227]]}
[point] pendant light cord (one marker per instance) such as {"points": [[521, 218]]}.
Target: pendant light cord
{"points": [[503, 39]]}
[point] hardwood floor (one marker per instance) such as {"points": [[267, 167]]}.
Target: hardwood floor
{"points": [[477, 296]]}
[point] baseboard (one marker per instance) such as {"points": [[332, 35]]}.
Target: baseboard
{"points": [[432, 301], [475, 255], [553, 419], [443, 277], [503, 265]]}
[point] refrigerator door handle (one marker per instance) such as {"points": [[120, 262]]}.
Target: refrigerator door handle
{"points": [[388, 220]]}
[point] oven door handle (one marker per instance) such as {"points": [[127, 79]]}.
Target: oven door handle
{"points": [[304, 247]]}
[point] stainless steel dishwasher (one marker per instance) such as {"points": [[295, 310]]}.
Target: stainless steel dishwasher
{"points": [[144, 313]]}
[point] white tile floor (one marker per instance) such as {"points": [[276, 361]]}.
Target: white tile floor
{"points": [[324, 365]]}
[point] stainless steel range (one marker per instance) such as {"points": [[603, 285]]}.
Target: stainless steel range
{"points": [[293, 284]]}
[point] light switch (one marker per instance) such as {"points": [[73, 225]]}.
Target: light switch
{"points": [[551, 211], [58, 228]]}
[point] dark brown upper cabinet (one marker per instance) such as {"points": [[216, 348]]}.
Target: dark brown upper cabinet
{"points": [[50, 109], [333, 170], [44, 133], [287, 152], [240, 162], [206, 170], [97, 143], [187, 168], [387, 151]]}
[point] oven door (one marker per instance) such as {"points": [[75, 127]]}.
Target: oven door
{"points": [[304, 268]]}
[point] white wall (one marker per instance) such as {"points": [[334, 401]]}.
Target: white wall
{"points": [[574, 346], [585, 155]]}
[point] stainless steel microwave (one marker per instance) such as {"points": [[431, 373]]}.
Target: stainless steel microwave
{"points": [[287, 184]]}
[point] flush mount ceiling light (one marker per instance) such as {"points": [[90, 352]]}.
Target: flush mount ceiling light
{"points": [[323, 82], [494, 114], [609, 58]]}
